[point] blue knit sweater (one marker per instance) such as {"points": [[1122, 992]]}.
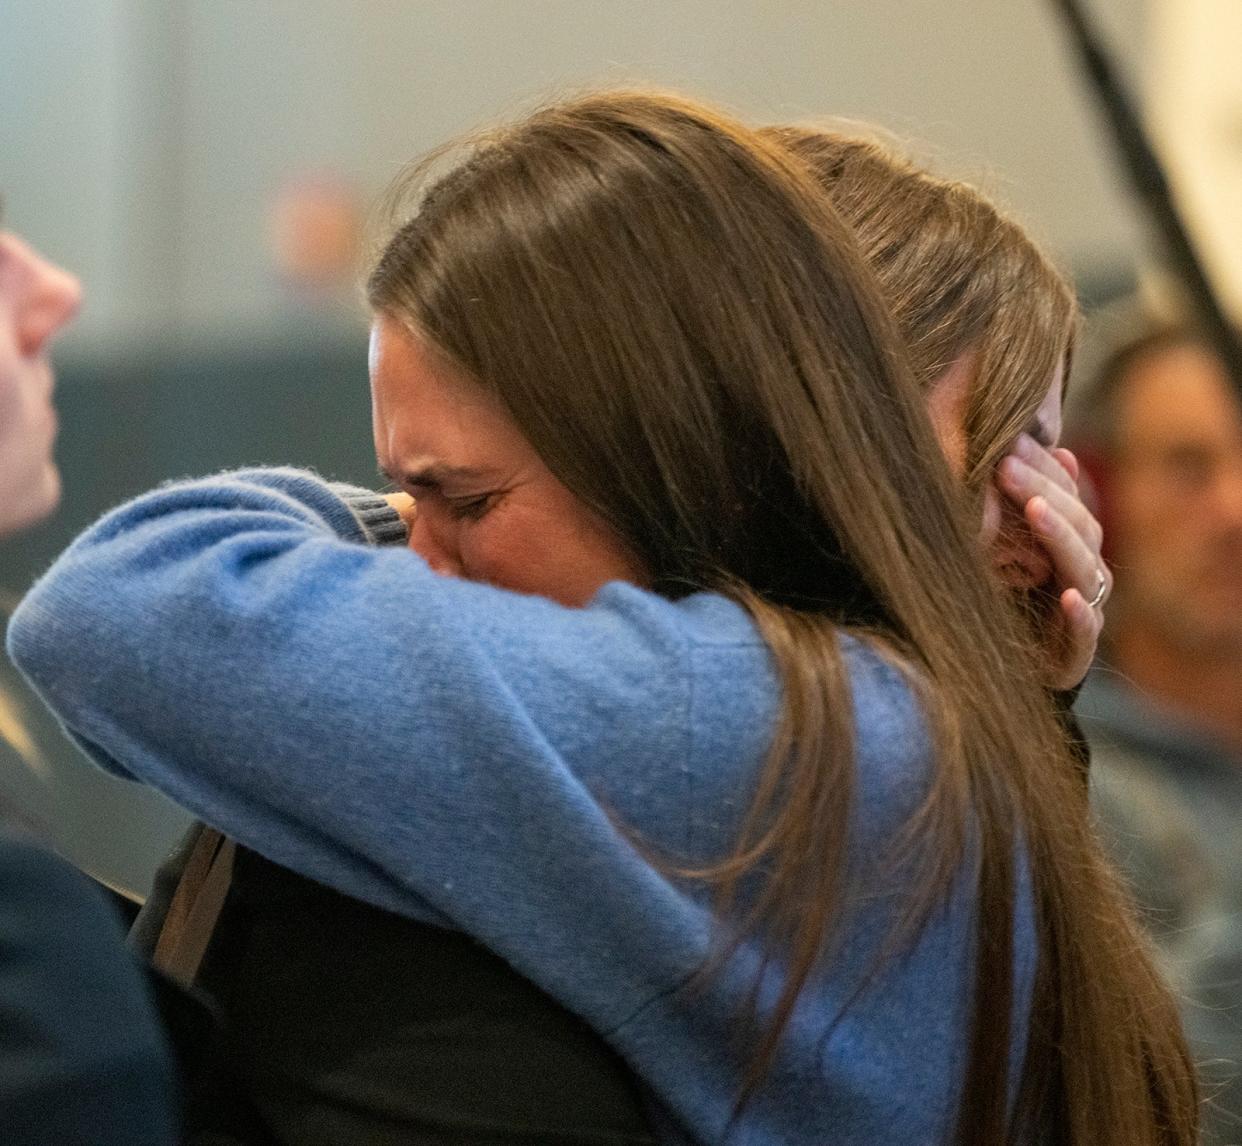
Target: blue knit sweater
{"points": [[488, 761]]}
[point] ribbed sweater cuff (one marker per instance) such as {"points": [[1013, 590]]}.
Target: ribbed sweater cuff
{"points": [[379, 521]]}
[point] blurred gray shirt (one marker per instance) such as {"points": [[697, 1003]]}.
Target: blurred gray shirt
{"points": [[1168, 801]]}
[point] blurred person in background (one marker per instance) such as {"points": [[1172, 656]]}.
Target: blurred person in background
{"points": [[1161, 432], [82, 1056]]}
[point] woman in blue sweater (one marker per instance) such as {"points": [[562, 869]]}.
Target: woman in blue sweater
{"points": [[692, 700]]}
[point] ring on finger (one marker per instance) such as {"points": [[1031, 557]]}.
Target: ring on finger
{"points": [[1101, 591]]}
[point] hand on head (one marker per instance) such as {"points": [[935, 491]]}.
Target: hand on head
{"points": [[1041, 484]]}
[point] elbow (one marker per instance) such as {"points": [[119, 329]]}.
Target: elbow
{"points": [[25, 638], [46, 635]]}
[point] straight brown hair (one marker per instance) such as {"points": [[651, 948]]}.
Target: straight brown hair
{"points": [[959, 276], [680, 323]]}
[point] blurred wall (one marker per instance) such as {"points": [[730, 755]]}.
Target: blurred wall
{"points": [[143, 143], [1196, 87], [144, 139]]}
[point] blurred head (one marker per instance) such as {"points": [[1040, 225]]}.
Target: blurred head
{"points": [[988, 321], [623, 288], [1163, 431], [36, 300]]}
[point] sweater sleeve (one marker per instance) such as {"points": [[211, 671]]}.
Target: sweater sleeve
{"points": [[444, 749], [381, 524]]}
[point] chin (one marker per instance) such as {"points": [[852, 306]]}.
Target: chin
{"points": [[36, 502]]}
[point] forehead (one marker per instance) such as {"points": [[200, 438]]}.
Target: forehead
{"points": [[1177, 395], [426, 412], [406, 372], [11, 248]]}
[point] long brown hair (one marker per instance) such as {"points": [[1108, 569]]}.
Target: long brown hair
{"points": [[959, 276], [965, 284], [681, 325]]}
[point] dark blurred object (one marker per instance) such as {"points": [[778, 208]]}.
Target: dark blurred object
{"points": [[82, 1056], [191, 1023], [1148, 180]]}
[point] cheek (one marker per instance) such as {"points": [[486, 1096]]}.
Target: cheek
{"points": [[500, 551], [12, 376], [27, 418], [566, 556]]}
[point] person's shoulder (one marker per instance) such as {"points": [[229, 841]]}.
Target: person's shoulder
{"points": [[887, 710], [82, 1056], [726, 649], [706, 640], [701, 620], [1132, 732], [41, 893], [891, 733]]}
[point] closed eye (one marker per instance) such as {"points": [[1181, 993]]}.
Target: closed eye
{"points": [[470, 508], [1042, 433]]}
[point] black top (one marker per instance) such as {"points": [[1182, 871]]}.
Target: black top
{"points": [[82, 1058], [349, 1024]]}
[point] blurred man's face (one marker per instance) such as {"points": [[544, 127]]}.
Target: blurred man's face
{"points": [[1177, 501]]}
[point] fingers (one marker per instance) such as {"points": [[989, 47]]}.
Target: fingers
{"points": [[1058, 465], [1068, 460], [1042, 487], [1075, 563], [1071, 638], [403, 503]]}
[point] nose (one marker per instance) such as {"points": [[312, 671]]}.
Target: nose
{"points": [[42, 296], [53, 298], [434, 548]]}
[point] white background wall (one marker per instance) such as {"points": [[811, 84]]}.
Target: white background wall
{"points": [[141, 141], [1196, 88]]}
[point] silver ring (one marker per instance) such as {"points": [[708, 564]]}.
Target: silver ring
{"points": [[1100, 593]]}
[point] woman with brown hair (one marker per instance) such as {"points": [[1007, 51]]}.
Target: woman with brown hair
{"points": [[989, 325], [715, 728]]}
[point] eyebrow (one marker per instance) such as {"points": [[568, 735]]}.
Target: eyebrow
{"points": [[433, 475]]}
